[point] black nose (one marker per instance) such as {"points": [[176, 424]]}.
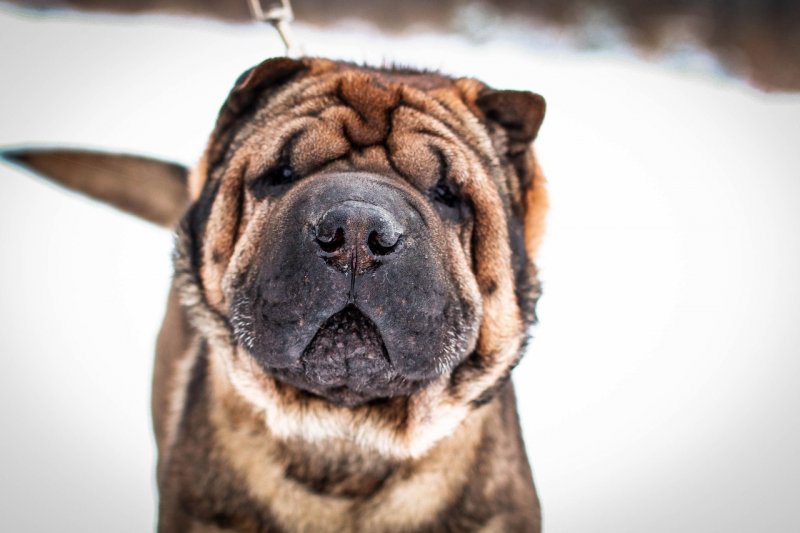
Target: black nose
{"points": [[357, 234]]}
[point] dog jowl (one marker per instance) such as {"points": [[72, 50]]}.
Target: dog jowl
{"points": [[354, 279], [342, 298]]}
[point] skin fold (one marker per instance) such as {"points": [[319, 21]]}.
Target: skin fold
{"points": [[354, 280]]}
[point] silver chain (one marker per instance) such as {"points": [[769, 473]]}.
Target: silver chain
{"points": [[279, 14]]}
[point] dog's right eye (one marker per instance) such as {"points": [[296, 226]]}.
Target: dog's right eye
{"points": [[278, 175], [274, 179]]}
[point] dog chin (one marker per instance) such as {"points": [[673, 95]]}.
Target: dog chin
{"points": [[347, 363]]}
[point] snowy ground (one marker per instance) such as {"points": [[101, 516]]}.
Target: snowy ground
{"points": [[661, 391]]}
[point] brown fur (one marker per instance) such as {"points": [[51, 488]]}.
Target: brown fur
{"points": [[449, 458], [242, 451]]}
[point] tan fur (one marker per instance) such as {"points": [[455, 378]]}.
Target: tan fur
{"points": [[536, 204], [501, 330], [427, 487], [175, 352], [242, 451], [414, 453]]}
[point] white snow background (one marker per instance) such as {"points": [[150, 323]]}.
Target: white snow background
{"points": [[661, 391]]}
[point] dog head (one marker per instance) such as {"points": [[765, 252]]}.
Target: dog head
{"points": [[358, 247]]}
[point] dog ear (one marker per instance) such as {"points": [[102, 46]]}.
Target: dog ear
{"points": [[147, 188], [520, 114], [240, 102], [244, 95]]}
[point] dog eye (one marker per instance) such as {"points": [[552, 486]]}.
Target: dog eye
{"points": [[450, 203], [444, 194], [282, 174], [272, 180], [279, 174], [446, 197]]}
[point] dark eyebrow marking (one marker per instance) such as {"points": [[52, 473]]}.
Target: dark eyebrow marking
{"points": [[449, 127], [444, 165], [288, 146], [276, 174]]}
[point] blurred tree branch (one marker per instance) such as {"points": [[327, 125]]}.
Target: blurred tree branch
{"points": [[756, 39]]}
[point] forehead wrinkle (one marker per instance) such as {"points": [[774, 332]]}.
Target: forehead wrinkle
{"points": [[314, 106], [439, 136], [265, 143], [483, 151], [318, 144], [449, 107], [442, 112], [456, 109], [474, 162], [294, 94], [282, 101], [478, 140]]}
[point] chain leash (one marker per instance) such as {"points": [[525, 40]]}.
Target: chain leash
{"points": [[280, 15]]}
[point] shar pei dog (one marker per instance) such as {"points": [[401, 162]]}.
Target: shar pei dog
{"points": [[354, 282]]}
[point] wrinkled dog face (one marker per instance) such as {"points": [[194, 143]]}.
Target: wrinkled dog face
{"points": [[350, 295], [359, 229]]}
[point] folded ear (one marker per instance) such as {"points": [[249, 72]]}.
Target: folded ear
{"points": [[147, 188], [241, 101], [519, 113], [269, 73]]}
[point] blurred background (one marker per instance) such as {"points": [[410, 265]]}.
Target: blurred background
{"points": [[756, 39], [660, 392]]}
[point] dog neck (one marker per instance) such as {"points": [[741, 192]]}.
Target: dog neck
{"points": [[333, 467], [331, 480], [225, 463]]}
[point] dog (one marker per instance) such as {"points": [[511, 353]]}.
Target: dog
{"points": [[354, 280]]}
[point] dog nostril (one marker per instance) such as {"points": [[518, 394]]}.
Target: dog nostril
{"points": [[379, 244], [331, 243]]}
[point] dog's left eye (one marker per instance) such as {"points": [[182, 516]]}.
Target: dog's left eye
{"points": [[449, 202], [444, 194]]}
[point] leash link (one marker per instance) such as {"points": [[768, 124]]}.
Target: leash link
{"points": [[280, 15]]}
